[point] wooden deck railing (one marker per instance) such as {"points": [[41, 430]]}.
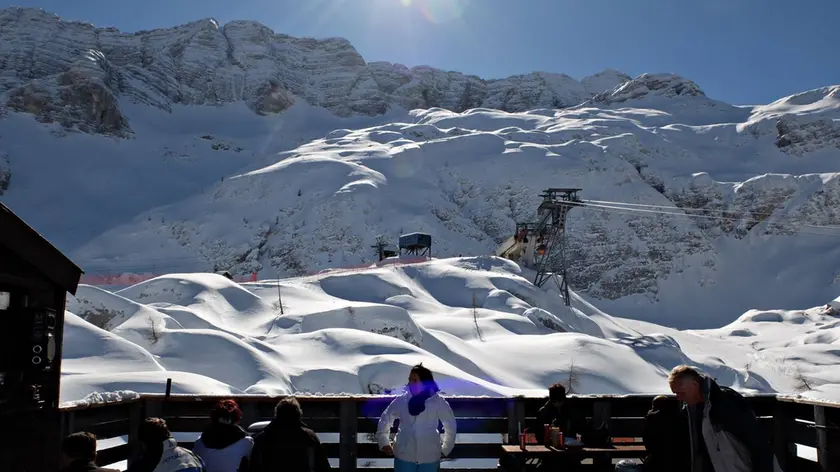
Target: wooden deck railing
{"points": [[346, 425]]}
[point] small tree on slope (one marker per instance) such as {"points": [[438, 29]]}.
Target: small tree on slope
{"points": [[153, 336]]}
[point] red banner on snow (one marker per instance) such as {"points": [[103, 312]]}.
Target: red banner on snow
{"points": [[131, 279]]}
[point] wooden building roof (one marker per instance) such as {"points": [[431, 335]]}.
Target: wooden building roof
{"points": [[29, 245]]}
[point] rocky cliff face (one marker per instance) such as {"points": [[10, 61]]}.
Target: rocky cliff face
{"points": [[5, 173], [72, 73], [82, 97], [647, 85], [813, 127]]}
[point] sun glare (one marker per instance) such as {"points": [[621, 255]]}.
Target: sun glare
{"points": [[438, 11]]}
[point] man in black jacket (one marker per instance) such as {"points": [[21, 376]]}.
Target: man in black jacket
{"points": [[724, 434], [665, 437], [556, 412], [287, 445], [79, 454]]}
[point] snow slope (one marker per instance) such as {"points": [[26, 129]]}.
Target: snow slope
{"points": [[477, 322], [748, 224]]}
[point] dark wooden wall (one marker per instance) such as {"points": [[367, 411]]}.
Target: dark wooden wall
{"points": [[32, 444]]}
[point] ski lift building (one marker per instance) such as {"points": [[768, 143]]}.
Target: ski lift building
{"points": [[416, 244]]}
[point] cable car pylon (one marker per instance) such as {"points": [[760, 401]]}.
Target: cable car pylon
{"points": [[541, 246]]}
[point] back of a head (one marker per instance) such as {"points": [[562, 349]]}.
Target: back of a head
{"points": [[425, 375], [153, 431], [80, 446], [288, 412], [226, 411], [557, 393], [665, 404], [659, 402]]}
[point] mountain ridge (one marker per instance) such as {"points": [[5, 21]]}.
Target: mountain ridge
{"points": [[205, 63]]}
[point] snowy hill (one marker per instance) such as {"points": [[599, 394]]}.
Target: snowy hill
{"points": [[232, 147], [466, 178], [477, 322]]}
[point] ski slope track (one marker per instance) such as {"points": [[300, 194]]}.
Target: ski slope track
{"points": [[477, 322], [208, 147]]}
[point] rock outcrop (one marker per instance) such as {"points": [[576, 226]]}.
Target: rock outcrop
{"points": [[646, 85], [5, 173], [82, 97], [813, 127]]}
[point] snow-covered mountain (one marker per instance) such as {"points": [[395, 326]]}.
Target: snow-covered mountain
{"points": [[74, 74], [472, 320], [204, 147]]}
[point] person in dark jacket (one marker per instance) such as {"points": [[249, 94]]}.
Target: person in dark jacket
{"points": [[287, 445], [161, 452], [224, 446], [556, 412], [665, 437], [724, 434], [78, 454]]}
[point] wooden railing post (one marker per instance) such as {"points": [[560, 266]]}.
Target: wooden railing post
{"points": [[601, 417], [67, 419], [250, 414], [69, 423], [516, 418], [152, 408], [601, 413], [826, 455], [784, 449], [349, 427], [135, 418]]}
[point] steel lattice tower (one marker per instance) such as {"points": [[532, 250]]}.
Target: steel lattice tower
{"points": [[541, 246]]}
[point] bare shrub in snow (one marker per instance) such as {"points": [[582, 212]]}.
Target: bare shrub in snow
{"points": [[154, 335], [572, 381], [803, 384], [475, 317]]}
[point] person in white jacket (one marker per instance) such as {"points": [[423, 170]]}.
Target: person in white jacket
{"points": [[224, 446], [418, 446]]}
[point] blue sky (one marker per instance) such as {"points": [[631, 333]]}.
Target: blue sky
{"points": [[740, 51]]}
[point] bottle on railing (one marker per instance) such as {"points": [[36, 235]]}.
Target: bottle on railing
{"points": [[555, 437], [523, 439], [561, 441], [547, 435]]}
